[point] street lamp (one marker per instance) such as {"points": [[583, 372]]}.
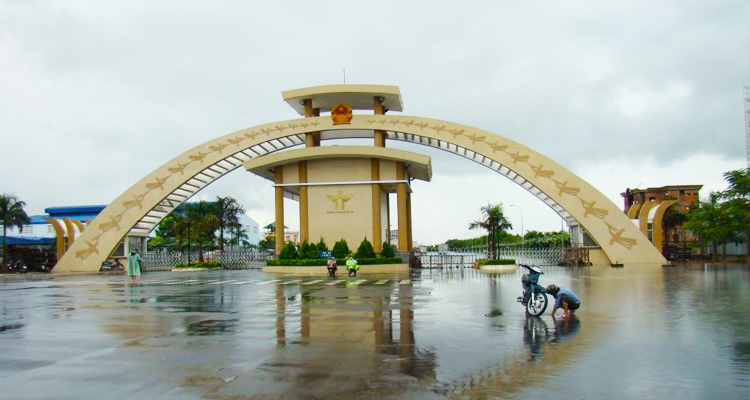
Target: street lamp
{"points": [[523, 239]]}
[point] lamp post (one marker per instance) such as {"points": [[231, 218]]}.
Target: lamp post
{"points": [[523, 239]]}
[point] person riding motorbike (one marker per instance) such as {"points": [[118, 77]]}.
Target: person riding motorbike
{"points": [[351, 266], [332, 267]]}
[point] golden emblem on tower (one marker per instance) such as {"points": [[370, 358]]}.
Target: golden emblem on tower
{"points": [[341, 114], [340, 200]]}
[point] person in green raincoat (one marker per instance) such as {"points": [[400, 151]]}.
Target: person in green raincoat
{"points": [[134, 265], [352, 266]]}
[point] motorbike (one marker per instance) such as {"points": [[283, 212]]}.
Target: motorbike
{"points": [[46, 266], [534, 295], [112, 266], [18, 267]]}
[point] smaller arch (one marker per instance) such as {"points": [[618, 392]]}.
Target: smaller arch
{"points": [[60, 240], [633, 210], [71, 231], [656, 223]]}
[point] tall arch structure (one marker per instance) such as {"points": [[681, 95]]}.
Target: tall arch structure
{"points": [[147, 202]]}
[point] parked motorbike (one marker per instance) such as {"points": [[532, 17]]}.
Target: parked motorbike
{"points": [[534, 295], [18, 267], [45, 267], [112, 266]]}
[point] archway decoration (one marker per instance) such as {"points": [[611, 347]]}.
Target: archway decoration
{"points": [[147, 202]]}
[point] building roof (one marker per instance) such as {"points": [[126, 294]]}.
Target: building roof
{"points": [[62, 212], [28, 240], [358, 97], [272, 225], [629, 191]]}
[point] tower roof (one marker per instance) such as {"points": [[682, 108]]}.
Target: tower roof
{"points": [[359, 97]]}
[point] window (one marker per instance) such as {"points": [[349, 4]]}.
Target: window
{"points": [[27, 230], [682, 192]]}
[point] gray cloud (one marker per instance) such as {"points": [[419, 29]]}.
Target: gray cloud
{"points": [[114, 89]]}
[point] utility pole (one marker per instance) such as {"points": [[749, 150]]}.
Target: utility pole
{"points": [[746, 90]]}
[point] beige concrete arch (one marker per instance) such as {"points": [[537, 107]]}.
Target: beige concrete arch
{"points": [[148, 201]]}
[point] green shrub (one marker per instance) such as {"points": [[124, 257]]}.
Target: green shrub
{"points": [[322, 246], [505, 261], [389, 250], [341, 249], [289, 252], [277, 262], [308, 251], [365, 250]]}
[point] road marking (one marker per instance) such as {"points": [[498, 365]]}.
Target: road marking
{"points": [[427, 282], [333, 283], [313, 282], [404, 282], [382, 281], [220, 282], [243, 282], [291, 282], [271, 281], [181, 282], [361, 281]]}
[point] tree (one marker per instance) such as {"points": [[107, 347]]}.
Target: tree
{"points": [[289, 252], [493, 221], [227, 211], [715, 222], [11, 214], [198, 223], [322, 246], [341, 249], [365, 249], [388, 250], [269, 243], [308, 251]]}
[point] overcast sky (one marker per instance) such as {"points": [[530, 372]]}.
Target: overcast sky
{"points": [[94, 95]]}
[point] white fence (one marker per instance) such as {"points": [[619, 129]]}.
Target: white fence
{"points": [[165, 260], [466, 258]]}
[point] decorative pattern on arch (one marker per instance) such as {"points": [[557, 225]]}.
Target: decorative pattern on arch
{"points": [[151, 199]]}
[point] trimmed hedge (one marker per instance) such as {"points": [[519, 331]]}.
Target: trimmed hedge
{"points": [[317, 262], [214, 264], [505, 261]]}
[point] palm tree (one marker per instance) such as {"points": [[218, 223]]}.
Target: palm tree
{"points": [[493, 221], [11, 214], [227, 211]]}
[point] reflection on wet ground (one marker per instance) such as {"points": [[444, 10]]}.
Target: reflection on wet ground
{"points": [[643, 331]]}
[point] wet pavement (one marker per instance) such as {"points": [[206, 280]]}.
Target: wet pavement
{"points": [[644, 332]]}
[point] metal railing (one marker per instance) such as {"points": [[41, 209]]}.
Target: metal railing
{"points": [[166, 260], [467, 257]]}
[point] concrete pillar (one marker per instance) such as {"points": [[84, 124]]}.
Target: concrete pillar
{"points": [[304, 224], [310, 136], [377, 237], [316, 135], [279, 178], [409, 239], [403, 217], [379, 110]]}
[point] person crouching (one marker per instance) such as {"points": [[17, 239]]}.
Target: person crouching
{"points": [[565, 298]]}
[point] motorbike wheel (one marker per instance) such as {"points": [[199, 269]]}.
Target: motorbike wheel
{"points": [[536, 304]]}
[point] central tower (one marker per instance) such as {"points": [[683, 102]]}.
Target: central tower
{"points": [[344, 191]]}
